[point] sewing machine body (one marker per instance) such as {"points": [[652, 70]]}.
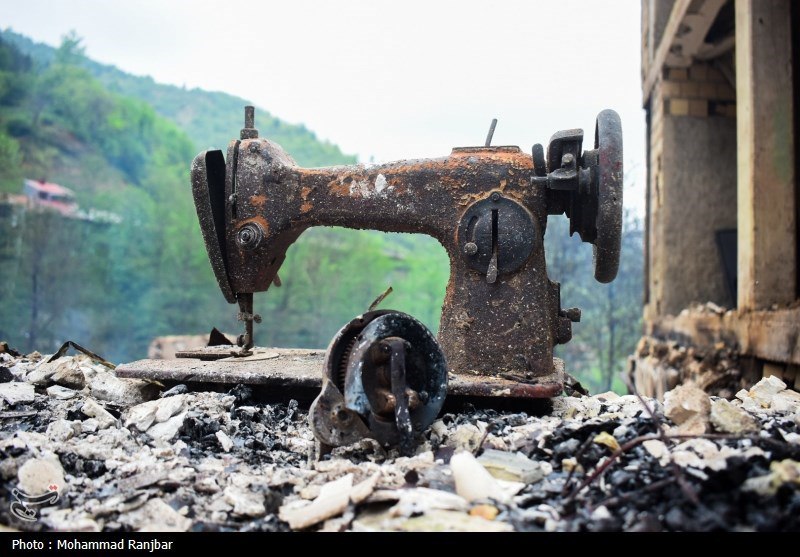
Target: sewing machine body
{"points": [[487, 206]]}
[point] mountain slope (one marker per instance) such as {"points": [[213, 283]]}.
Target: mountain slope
{"points": [[210, 119]]}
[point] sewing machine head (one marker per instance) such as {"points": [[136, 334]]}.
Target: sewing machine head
{"points": [[488, 207]]}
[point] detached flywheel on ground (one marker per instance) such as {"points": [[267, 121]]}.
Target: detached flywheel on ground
{"points": [[385, 378]]}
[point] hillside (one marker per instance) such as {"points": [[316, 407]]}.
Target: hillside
{"points": [[210, 119]]}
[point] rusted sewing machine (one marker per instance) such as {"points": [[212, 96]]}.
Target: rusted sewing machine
{"points": [[488, 207]]}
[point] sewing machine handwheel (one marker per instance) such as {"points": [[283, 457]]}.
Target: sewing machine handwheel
{"points": [[608, 142]]}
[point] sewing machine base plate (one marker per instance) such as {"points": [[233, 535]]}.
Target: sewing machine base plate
{"points": [[296, 369]]}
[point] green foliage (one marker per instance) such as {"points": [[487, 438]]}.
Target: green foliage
{"points": [[333, 274], [10, 160], [210, 119], [610, 323]]}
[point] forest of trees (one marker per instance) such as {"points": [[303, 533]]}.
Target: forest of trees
{"points": [[124, 144]]}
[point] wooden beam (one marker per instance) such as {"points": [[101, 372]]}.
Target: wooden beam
{"points": [[683, 39], [767, 263], [691, 36], [769, 335], [676, 16]]}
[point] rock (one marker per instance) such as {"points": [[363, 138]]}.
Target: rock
{"points": [[37, 476], [418, 500], [142, 479], [606, 439], [780, 472], [567, 407], [704, 453], [467, 437], [621, 431], [601, 513], [62, 430], [42, 374], [310, 492], [245, 503], [94, 410], [144, 416], [332, 501], [686, 404], [69, 376], [17, 393], [786, 471], [168, 430], [696, 425], [104, 385], [786, 402], [439, 429], [657, 449], [30, 440], [606, 396], [473, 481], [224, 441], [568, 447], [761, 485], [630, 406], [66, 371], [61, 393], [727, 418], [511, 466], [570, 464], [362, 490], [157, 516], [206, 485], [761, 394], [90, 426], [591, 407]]}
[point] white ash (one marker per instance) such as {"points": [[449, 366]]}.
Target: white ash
{"points": [[214, 461]]}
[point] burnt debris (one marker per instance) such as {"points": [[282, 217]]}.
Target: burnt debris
{"points": [[227, 461]]}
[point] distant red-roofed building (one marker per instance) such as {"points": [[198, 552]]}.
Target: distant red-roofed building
{"points": [[52, 196]]}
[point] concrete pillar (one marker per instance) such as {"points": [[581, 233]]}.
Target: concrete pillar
{"points": [[767, 258], [691, 188]]}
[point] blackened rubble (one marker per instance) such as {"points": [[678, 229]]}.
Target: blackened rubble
{"points": [[125, 458]]}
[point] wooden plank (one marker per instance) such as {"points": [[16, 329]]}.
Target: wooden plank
{"points": [[675, 18], [295, 370], [688, 45], [696, 23], [767, 262], [769, 335]]}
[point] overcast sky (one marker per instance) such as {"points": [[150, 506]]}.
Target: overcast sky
{"points": [[382, 79]]}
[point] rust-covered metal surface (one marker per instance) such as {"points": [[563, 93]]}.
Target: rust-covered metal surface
{"points": [[384, 377], [487, 206]]}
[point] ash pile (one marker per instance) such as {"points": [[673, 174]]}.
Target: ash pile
{"points": [[125, 455]]}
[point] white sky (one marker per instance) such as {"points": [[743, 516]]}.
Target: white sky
{"points": [[382, 79]]}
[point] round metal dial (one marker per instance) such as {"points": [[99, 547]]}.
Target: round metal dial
{"points": [[496, 235]]}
